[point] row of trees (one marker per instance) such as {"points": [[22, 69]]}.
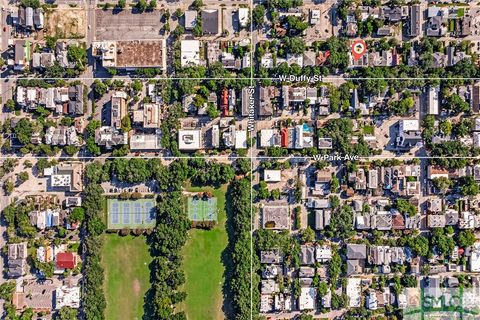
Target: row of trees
{"points": [[239, 212], [166, 242], [94, 302], [137, 170], [141, 5]]}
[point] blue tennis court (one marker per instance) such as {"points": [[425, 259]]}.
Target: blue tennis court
{"points": [[131, 214], [138, 212], [149, 212], [126, 213], [114, 213]]}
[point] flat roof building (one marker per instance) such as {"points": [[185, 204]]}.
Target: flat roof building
{"points": [[415, 21], [190, 17], [151, 115], [354, 292], [276, 217], [38, 297], [132, 54], [308, 296], [146, 142], [67, 297], [433, 100], [243, 17], [190, 53], [272, 175], [475, 258], [69, 176], [211, 22], [189, 139], [476, 97], [118, 108], [240, 139]]}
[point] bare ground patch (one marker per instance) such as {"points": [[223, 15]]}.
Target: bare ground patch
{"points": [[66, 23], [136, 287]]}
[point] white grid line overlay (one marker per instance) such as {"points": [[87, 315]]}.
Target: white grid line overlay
{"points": [[253, 80]]}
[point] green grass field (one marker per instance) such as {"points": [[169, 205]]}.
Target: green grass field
{"points": [[203, 266], [127, 276]]}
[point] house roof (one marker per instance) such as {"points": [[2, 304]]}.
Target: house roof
{"points": [[355, 266], [356, 251], [210, 22], [141, 53], [190, 19], [35, 296], [270, 256], [265, 108], [398, 222], [307, 255], [276, 217], [66, 260]]}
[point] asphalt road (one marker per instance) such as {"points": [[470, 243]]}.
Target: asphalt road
{"points": [[5, 92]]}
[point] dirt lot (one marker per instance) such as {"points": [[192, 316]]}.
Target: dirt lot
{"points": [[66, 23]]}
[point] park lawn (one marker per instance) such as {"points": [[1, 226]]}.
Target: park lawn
{"points": [[127, 276], [203, 266]]}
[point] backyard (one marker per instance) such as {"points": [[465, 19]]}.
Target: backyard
{"points": [[127, 277], [203, 265]]}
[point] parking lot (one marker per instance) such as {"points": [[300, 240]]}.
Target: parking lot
{"points": [[128, 25]]}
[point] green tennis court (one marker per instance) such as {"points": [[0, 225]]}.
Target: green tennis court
{"points": [[202, 209]]}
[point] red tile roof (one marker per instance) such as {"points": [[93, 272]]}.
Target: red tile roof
{"points": [[66, 260]]}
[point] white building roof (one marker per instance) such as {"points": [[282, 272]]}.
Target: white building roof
{"points": [[323, 253], [189, 139], [433, 102], [144, 141], [475, 258], [67, 297], [272, 175], [48, 171], [354, 292], [190, 19], [267, 61], [307, 298], [240, 139], [267, 138], [410, 125], [190, 52], [243, 17]]}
